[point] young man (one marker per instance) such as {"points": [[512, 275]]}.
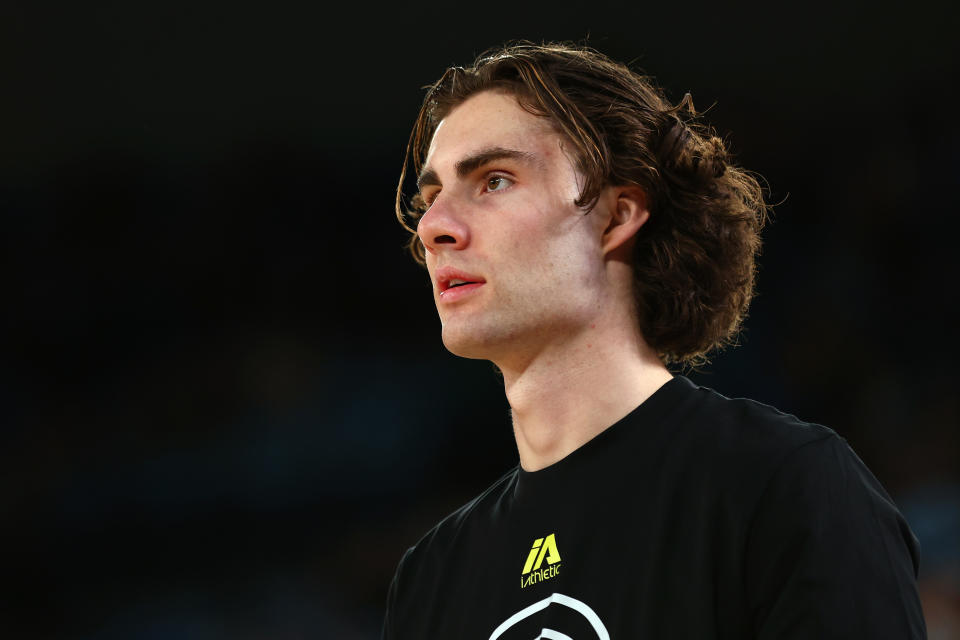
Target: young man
{"points": [[582, 233]]}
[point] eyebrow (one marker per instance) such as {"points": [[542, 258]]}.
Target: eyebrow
{"points": [[471, 163]]}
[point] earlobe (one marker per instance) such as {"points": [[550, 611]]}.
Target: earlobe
{"points": [[629, 213]]}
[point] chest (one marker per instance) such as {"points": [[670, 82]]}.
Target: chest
{"points": [[625, 566]]}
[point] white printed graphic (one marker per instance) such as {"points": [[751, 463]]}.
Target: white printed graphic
{"points": [[550, 634]]}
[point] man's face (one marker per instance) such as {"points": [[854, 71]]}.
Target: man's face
{"points": [[502, 217]]}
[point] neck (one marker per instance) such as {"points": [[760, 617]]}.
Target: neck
{"points": [[568, 393]]}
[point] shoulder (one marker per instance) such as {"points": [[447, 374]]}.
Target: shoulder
{"points": [[825, 545], [455, 530], [801, 466], [741, 431], [819, 525], [754, 457]]}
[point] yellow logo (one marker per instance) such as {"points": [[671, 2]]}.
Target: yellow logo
{"points": [[543, 548]]}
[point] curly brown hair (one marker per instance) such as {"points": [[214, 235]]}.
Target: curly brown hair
{"points": [[694, 261]]}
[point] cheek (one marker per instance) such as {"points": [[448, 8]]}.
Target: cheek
{"points": [[545, 239], [530, 246], [551, 261]]}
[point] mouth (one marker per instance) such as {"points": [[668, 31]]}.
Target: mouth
{"points": [[452, 283], [455, 292]]}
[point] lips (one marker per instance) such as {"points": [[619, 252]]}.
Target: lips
{"points": [[455, 283]]}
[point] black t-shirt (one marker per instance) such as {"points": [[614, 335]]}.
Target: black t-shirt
{"points": [[695, 516]]}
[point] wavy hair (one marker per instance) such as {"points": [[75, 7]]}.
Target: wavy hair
{"points": [[694, 261]]}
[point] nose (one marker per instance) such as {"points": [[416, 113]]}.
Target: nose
{"points": [[441, 228]]}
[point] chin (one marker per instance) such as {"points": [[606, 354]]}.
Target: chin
{"points": [[463, 346], [474, 342]]}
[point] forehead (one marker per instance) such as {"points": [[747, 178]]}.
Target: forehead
{"points": [[491, 119]]}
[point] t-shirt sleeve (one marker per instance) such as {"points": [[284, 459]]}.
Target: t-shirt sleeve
{"points": [[389, 631], [828, 554]]}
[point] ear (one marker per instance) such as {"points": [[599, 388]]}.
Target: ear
{"points": [[628, 213]]}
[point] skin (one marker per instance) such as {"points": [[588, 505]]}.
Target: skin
{"points": [[556, 311]]}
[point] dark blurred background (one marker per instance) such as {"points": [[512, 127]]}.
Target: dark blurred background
{"points": [[225, 407]]}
